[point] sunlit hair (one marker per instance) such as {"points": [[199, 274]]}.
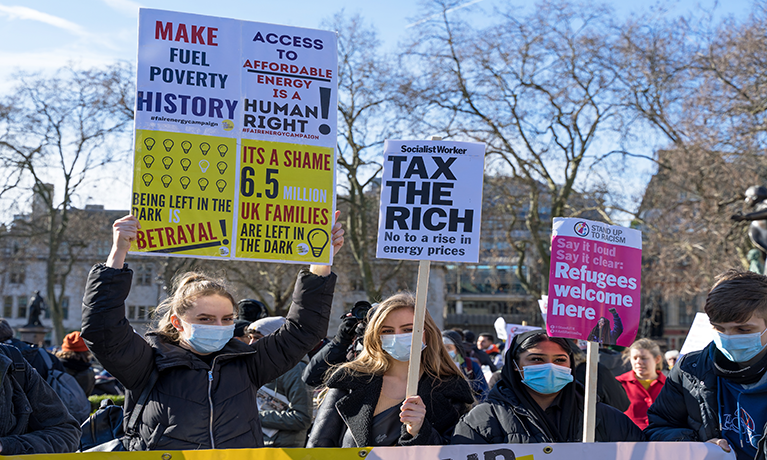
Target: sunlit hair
{"points": [[645, 344], [187, 287], [74, 355], [435, 361]]}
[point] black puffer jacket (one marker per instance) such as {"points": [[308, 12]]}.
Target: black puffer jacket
{"points": [[193, 405], [352, 399], [509, 414], [33, 420]]}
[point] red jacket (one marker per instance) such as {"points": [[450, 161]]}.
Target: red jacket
{"points": [[641, 399]]}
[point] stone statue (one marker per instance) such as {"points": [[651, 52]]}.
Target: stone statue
{"points": [[757, 230], [36, 307]]}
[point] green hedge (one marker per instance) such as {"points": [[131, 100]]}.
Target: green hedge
{"points": [[95, 400]]}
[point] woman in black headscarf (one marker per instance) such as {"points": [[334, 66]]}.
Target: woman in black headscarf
{"points": [[537, 401]]}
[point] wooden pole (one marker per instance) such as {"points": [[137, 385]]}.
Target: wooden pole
{"points": [[421, 292], [590, 404], [414, 366]]}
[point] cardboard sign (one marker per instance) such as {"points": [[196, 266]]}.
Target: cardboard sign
{"points": [[594, 282], [700, 335], [235, 135], [431, 201]]}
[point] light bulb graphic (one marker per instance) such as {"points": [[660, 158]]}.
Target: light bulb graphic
{"points": [[148, 160], [202, 183], [149, 142], [204, 147], [222, 149], [318, 239], [186, 163], [168, 144], [221, 167], [185, 181], [167, 162], [204, 165], [166, 180], [185, 146], [147, 178], [221, 185]]}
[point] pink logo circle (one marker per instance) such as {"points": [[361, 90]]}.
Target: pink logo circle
{"points": [[581, 229]]}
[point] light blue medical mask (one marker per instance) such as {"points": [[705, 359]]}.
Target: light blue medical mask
{"points": [[398, 345], [739, 348], [207, 338], [546, 378]]}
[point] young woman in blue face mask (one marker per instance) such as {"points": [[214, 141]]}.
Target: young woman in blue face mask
{"points": [[537, 401], [204, 395], [365, 404]]}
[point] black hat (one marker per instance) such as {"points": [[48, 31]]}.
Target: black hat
{"points": [[239, 327], [251, 310]]}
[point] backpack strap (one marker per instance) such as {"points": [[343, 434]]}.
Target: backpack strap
{"points": [[130, 427], [19, 364]]}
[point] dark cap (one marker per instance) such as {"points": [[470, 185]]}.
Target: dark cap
{"points": [[251, 310]]}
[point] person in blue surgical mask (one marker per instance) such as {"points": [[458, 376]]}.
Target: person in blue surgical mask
{"points": [[365, 404], [719, 394], [537, 401], [200, 382]]}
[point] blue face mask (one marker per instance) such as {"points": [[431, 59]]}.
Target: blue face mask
{"points": [[739, 348], [398, 345], [546, 378], [205, 338]]}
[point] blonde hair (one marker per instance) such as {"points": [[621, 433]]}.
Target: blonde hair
{"points": [[435, 361], [187, 287], [649, 345]]}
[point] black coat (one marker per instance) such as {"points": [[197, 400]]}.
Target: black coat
{"points": [[33, 420], [194, 405], [510, 415], [351, 401]]}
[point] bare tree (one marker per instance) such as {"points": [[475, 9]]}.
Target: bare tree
{"points": [[61, 130], [535, 89], [367, 80]]}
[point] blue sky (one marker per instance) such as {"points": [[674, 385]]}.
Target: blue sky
{"points": [[41, 35]]}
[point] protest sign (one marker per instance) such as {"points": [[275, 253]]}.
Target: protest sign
{"points": [[513, 330], [235, 133], [594, 282], [700, 335], [431, 201]]}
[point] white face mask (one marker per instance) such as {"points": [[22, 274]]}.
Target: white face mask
{"points": [[398, 345]]}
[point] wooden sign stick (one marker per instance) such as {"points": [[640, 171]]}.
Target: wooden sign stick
{"points": [[590, 403], [422, 289]]}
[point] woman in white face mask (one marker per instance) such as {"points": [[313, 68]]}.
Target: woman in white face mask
{"points": [[199, 382], [366, 405], [537, 401]]}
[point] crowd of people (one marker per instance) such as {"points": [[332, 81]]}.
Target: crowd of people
{"points": [[214, 373]]}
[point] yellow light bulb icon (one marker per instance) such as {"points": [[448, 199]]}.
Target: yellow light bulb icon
{"points": [[147, 178], [204, 165], [166, 180], [221, 185], [149, 142], [148, 160], [168, 144], [222, 149], [221, 167], [185, 182], [318, 239], [204, 147], [185, 146], [186, 163], [203, 183], [167, 162]]}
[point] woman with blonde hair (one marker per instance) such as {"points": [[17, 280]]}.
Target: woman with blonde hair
{"points": [[645, 379], [366, 404], [199, 382]]}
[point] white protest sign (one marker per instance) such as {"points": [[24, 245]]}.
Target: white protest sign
{"points": [[514, 330], [700, 335], [431, 201]]}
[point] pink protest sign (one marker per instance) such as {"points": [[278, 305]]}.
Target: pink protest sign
{"points": [[594, 282]]}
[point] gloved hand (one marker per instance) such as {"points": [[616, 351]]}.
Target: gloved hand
{"points": [[345, 333]]}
